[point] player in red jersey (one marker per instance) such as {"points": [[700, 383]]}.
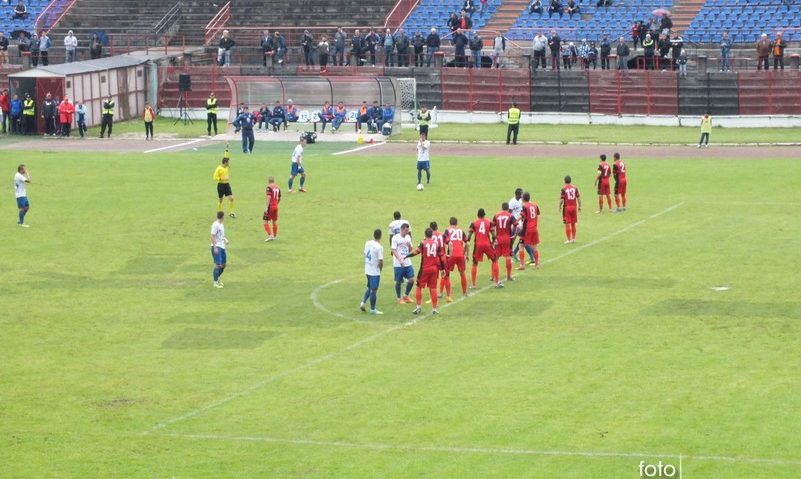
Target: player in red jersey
{"points": [[432, 264], [505, 226], [271, 213], [602, 182], [529, 216], [482, 229], [440, 239], [457, 250], [570, 206], [619, 172]]}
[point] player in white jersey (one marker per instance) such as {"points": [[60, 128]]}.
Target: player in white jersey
{"points": [[423, 159], [516, 208], [401, 248], [21, 178], [218, 243], [373, 264], [297, 165], [395, 225]]}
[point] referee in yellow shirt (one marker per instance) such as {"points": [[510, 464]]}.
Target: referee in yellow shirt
{"points": [[514, 123], [224, 185]]}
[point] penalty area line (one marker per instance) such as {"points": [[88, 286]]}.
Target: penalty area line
{"points": [[354, 150], [174, 146], [368, 339]]}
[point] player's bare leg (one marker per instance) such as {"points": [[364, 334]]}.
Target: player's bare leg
{"points": [[600, 204], [623, 198], [573, 232], [617, 200], [609, 200], [568, 230]]}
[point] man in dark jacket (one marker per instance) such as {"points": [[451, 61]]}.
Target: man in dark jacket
{"points": [[459, 41], [432, 42], [555, 44], [49, 115], [418, 42], [226, 44], [371, 41], [356, 49], [606, 50], [402, 46], [307, 44], [476, 44], [339, 47], [664, 48], [267, 47], [622, 54], [777, 48], [676, 44]]}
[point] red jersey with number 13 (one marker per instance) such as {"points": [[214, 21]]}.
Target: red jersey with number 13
{"points": [[570, 195]]}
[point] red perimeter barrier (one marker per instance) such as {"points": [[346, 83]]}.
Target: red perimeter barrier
{"points": [[769, 92], [484, 89], [615, 92]]}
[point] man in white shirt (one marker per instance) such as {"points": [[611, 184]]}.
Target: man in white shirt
{"points": [[218, 243], [423, 159], [373, 264], [540, 45], [21, 192], [297, 165], [70, 44], [395, 225], [516, 208], [401, 248]]}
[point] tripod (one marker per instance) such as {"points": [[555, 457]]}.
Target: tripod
{"points": [[183, 110]]}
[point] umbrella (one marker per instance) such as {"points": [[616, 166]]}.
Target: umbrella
{"points": [[661, 11], [16, 33]]}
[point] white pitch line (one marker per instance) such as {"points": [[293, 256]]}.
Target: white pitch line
{"points": [[484, 450], [359, 148], [319, 305], [313, 362], [174, 146]]}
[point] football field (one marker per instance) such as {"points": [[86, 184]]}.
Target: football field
{"points": [[667, 334]]}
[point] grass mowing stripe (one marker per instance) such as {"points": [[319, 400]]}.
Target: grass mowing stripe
{"points": [[368, 339]]}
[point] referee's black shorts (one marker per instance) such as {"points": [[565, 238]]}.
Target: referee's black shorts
{"points": [[224, 189]]}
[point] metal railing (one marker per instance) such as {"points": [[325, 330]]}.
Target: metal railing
{"points": [[218, 23], [169, 20], [400, 13], [52, 15]]}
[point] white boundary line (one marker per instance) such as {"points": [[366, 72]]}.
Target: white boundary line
{"points": [[321, 359], [319, 305], [359, 148], [175, 146], [486, 450]]}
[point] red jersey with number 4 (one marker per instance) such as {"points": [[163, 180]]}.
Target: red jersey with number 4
{"points": [[481, 229], [604, 170], [570, 195], [454, 236], [273, 196], [431, 255], [619, 171], [505, 224]]}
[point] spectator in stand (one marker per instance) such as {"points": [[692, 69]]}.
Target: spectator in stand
{"points": [[362, 116], [266, 47], [418, 42], [453, 22], [664, 47], [763, 52], [682, 62], [226, 44], [387, 117], [291, 113], [20, 12], [277, 119], [566, 63], [676, 46], [356, 49], [649, 47], [465, 23], [584, 54], [66, 110], [3, 49], [592, 56], [622, 51], [264, 117], [665, 25], [23, 43], [371, 42], [340, 115], [326, 115], [555, 7], [70, 44], [476, 45], [459, 41], [279, 45], [535, 7], [5, 109], [642, 30], [606, 50], [725, 49], [16, 115], [339, 47], [402, 46], [432, 42], [80, 111], [307, 44], [148, 117], [44, 47], [555, 44], [322, 54], [572, 8], [95, 47], [498, 48], [468, 7], [539, 45], [482, 5], [777, 49], [635, 34], [388, 43], [605, 4]]}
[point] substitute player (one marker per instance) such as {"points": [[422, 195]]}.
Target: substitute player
{"points": [[21, 178], [602, 182], [570, 206], [401, 247], [482, 229], [297, 165], [273, 193], [619, 173], [531, 239], [218, 244], [505, 226], [423, 159], [223, 179], [432, 264], [457, 250], [373, 264]]}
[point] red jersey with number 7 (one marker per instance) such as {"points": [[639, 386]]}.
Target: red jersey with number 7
{"points": [[481, 229]]}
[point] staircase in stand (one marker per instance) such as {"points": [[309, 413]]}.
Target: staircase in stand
{"points": [[683, 13], [505, 16]]}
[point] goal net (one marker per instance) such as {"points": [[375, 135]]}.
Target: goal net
{"points": [[309, 93]]}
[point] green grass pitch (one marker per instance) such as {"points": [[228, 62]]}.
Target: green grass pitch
{"points": [[119, 359]]}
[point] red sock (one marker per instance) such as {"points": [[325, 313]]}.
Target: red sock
{"points": [[447, 281], [275, 228], [573, 231], [522, 256], [473, 271], [464, 283], [609, 201], [495, 271], [617, 201], [537, 257], [434, 298], [267, 228], [418, 295], [508, 268]]}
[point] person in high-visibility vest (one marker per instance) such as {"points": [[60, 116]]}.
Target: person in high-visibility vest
{"points": [[211, 114], [29, 114], [706, 129], [108, 117], [423, 119], [514, 123]]}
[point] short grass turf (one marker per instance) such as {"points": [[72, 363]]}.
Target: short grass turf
{"points": [[120, 360]]}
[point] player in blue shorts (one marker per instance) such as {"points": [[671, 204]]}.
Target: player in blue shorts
{"points": [[297, 166], [423, 160], [21, 178], [373, 263], [218, 244], [401, 248]]}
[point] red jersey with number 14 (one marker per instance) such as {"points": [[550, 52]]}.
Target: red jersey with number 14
{"points": [[454, 236], [432, 255], [481, 229]]}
